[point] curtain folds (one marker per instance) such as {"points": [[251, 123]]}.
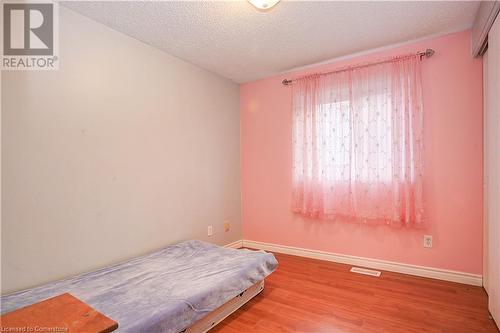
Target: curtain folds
{"points": [[358, 144]]}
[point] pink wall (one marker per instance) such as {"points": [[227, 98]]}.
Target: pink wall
{"points": [[453, 176]]}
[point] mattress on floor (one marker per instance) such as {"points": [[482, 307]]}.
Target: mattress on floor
{"points": [[165, 291]]}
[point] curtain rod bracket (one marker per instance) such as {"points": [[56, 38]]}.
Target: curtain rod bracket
{"points": [[428, 53]]}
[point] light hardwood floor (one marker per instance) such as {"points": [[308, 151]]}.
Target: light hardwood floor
{"points": [[306, 295]]}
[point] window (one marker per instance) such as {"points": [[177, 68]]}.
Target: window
{"points": [[357, 144]]}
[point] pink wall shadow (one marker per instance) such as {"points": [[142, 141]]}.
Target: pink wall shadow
{"points": [[452, 82]]}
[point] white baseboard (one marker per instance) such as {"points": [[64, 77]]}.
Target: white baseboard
{"points": [[235, 245], [428, 272]]}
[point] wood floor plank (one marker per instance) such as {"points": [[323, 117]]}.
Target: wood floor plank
{"points": [[312, 296]]}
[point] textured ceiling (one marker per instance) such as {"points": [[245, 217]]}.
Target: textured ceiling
{"points": [[234, 40]]}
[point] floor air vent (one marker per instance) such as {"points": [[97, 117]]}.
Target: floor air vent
{"points": [[365, 271]]}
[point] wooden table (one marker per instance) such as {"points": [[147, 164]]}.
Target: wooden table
{"points": [[64, 313]]}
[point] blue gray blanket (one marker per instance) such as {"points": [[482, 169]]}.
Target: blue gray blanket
{"points": [[165, 291]]}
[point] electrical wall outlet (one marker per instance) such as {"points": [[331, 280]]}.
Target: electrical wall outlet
{"points": [[210, 230], [227, 226], [427, 241]]}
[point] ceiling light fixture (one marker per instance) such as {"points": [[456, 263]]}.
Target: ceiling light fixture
{"points": [[264, 4]]}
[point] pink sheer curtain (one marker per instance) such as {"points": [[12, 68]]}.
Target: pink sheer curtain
{"points": [[357, 144]]}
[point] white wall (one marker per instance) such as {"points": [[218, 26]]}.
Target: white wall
{"points": [[122, 151]]}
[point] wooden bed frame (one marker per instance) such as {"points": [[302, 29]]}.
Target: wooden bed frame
{"points": [[213, 318]]}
